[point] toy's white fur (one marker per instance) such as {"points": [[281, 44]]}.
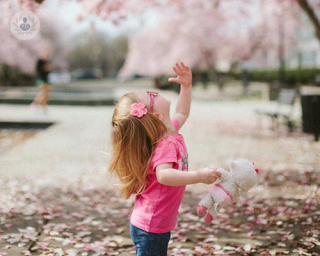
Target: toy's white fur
{"points": [[241, 178]]}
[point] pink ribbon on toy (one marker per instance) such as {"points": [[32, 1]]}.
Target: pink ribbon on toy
{"points": [[226, 191]]}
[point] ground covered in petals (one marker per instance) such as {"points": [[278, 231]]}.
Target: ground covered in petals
{"points": [[281, 217]]}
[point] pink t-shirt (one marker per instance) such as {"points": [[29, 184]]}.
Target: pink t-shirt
{"points": [[156, 209]]}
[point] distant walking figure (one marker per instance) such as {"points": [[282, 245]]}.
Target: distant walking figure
{"points": [[245, 81], [43, 69]]}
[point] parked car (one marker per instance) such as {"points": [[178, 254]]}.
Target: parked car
{"points": [[87, 73], [59, 77]]}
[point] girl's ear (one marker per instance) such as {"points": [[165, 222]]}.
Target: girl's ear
{"points": [[158, 115]]}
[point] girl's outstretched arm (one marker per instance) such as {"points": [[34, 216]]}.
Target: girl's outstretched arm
{"points": [[166, 175], [184, 78]]}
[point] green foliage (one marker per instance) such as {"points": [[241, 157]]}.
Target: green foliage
{"points": [[10, 76], [302, 76], [96, 50]]}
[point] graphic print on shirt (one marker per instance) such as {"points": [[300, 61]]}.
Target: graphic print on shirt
{"points": [[183, 159], [185, 162]]}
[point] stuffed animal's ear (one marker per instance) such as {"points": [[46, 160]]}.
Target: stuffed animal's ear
{"points": [[256, 169], [231, 164]]}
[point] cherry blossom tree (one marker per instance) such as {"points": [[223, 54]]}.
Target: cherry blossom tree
{"points": [[207, 37], [14, 52], [275, 32], [118, 10], [205, 22], [23, 54], [121, 9]]}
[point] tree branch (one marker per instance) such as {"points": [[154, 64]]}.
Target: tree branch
{"points": [[306, 7]]}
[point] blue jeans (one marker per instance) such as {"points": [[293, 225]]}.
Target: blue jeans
{"points": [[149, 244]]}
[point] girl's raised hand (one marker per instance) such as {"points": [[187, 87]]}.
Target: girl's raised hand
{"points": [[184, 75]]}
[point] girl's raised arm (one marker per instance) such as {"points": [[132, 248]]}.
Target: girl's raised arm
{"points": [[184, 78]]}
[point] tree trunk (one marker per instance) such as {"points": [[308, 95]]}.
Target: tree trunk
{"points": [[306, 7], [5, 75]]}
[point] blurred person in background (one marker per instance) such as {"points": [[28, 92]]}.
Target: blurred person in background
{"points": [[43, 68]]}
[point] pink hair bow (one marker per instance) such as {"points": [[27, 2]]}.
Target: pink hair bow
{"points": [[138, 109]]}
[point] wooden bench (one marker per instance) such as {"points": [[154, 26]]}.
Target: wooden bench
{"points": [[283, 109]]}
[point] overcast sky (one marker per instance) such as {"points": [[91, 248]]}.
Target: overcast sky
{"points": [[68, 13]]}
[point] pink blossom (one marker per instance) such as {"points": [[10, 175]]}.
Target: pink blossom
{"points": [[43, 245]]}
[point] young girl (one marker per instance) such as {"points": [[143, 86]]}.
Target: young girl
{"points": [[150, 158]]}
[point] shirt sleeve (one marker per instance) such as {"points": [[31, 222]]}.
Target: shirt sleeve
{"points": [[165, 152], [175, 124]]}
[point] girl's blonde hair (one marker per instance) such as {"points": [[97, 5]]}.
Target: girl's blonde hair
{"points": [[133, 141]]}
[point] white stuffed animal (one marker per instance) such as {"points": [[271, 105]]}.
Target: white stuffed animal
{"points": [[242, 177]]}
